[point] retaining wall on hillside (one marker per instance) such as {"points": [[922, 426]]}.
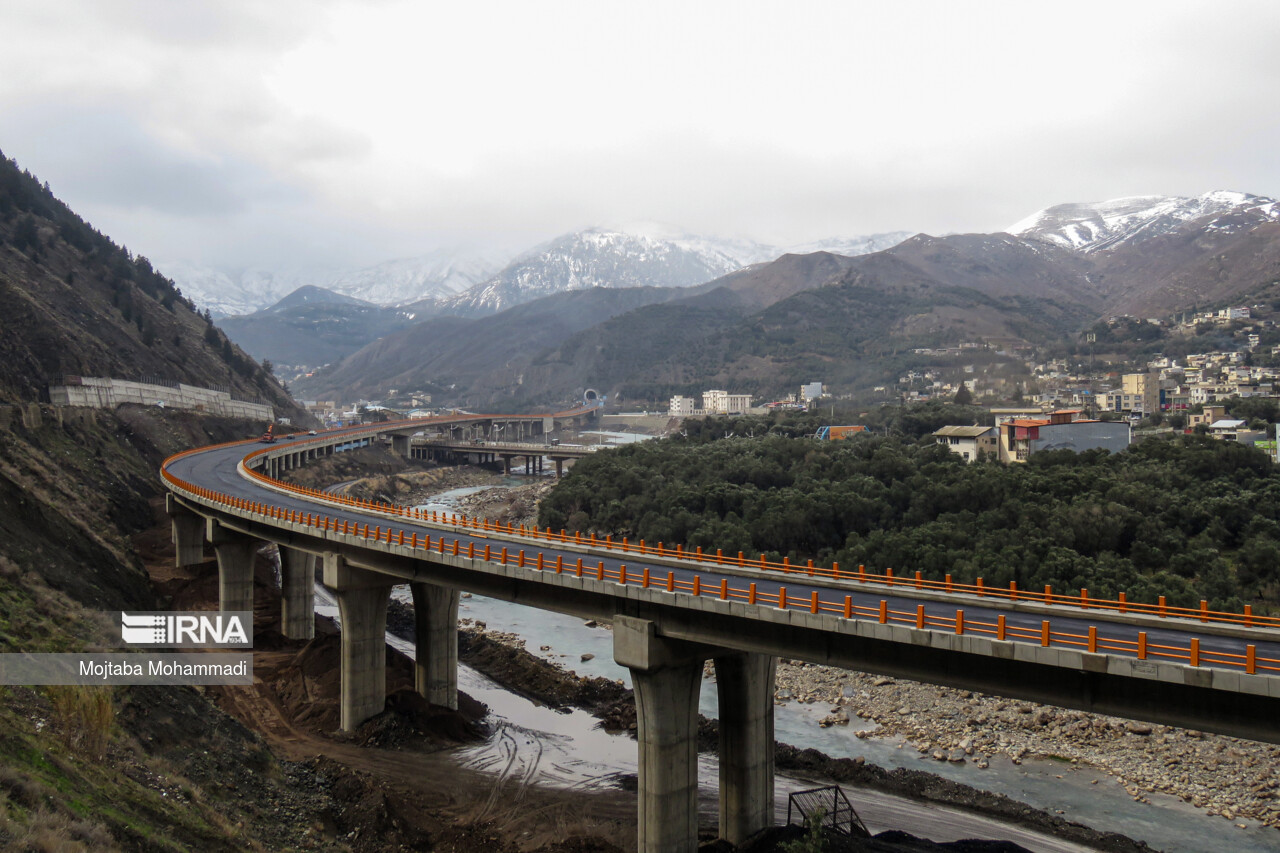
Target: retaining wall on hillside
{"points": [[101, 393]]}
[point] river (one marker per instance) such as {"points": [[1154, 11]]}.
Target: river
{"points": [[540, 745]]}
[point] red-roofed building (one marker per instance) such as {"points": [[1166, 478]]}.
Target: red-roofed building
{"points": [[1061, 430]]}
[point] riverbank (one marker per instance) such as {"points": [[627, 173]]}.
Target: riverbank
{"points": [[503, 657], [1226, 777]]}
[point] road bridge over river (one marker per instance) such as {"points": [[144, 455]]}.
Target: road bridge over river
{"points": [[672, 610]]}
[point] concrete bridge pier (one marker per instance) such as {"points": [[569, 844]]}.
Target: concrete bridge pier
{"points": [[744, 684], [400, 445], [362, 606], [187, 530], [297, 594], [235, 553], [667, 676], [436, 621]]}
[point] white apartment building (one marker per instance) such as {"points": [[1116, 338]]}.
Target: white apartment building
{"points": [[717, 402], [681, 407]]}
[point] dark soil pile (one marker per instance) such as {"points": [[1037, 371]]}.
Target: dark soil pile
{"points": [[778, 838], [525, 673]]}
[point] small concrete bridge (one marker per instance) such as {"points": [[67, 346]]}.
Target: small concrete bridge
{"points": [[481, 452], [673, 609]]}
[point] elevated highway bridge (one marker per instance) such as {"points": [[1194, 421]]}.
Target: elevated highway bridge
{"points": [[673, 609], [481, 451]]}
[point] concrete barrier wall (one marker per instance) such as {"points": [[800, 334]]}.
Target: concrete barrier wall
{"points": [[102, 393]]}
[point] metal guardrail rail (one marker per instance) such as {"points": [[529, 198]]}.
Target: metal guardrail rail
{"points": [[648, 577]]}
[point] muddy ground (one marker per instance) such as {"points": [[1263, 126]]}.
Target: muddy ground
{"points": [[388, 786]]}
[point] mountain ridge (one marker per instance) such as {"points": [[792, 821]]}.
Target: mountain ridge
{"points": [[1097, 226], [763, 328]]}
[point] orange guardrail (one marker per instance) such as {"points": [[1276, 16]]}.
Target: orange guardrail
{"points": [[646, 577]]}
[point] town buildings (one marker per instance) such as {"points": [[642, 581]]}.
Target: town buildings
{"points": [[714, 402], [969, 442], [1016, 435]]}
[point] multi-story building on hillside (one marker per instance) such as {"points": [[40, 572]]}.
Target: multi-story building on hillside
{"points": [[681, 407], [811, 391], [1061, 430], [1139, 394], [968, 442], [723, 403], [1207, 416]]}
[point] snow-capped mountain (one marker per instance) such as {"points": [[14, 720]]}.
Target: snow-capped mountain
{"points": [[639, 256], [435, 276], [471, 282], [1102, 225], [850, 247], [595, 258], [223, 294]]}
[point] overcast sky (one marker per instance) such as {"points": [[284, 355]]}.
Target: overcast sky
{"points": [[296, 132]]}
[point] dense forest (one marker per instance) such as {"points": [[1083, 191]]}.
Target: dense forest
{"points": [[1183, 516]]}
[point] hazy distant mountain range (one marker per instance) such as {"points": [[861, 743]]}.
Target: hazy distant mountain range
{"points": [[467, 282], [435, 276], [844, 320], [316, 325]]}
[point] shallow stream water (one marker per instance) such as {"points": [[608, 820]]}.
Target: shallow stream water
{"points": [[540, 745]]}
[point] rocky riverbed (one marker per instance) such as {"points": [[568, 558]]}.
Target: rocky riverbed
{"points": [[502, 656], [516, 505], [1226, 776]]}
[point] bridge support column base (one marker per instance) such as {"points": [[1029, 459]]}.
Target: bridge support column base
{"points": [[297, 594], [744, 685], [667, 676], [362, 606], [235, 553], [435, 612], [187, 530]]}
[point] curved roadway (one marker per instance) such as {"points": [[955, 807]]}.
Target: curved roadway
{"points": [[218, 469]]}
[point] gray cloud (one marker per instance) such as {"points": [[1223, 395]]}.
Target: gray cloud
{"points": [[245, 133], [104, 158]]}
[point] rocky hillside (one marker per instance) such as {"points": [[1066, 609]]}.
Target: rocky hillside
{"points": [[74, 303], [96, 768]]}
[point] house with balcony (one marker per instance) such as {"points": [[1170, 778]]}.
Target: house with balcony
{"points": [[969, 442]]}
